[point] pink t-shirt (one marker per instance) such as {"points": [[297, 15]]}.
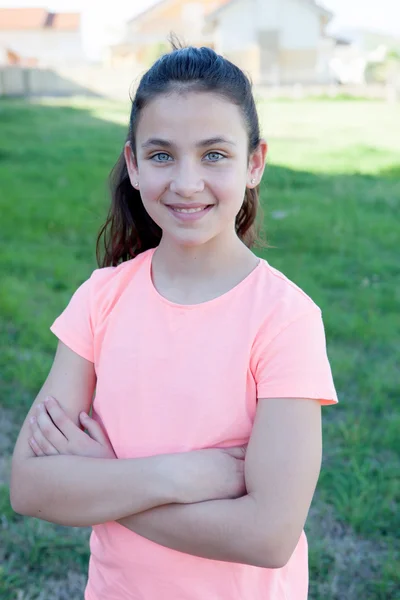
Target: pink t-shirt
{"points": [[173, 378]]}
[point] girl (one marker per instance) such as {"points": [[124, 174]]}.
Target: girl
{"points": [[210, 367]]}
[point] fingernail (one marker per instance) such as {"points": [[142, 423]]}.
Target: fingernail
{"points": [[84, 415], [40, 406], [32, 420]]}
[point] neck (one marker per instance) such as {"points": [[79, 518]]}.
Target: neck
{"points": [[188, 264]]}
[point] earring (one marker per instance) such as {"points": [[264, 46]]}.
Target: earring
{"points": [[136, 184], [253, 180]]}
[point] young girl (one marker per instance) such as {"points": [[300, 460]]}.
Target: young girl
{"points": [[199, 465]]}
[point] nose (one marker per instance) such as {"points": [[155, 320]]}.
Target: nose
{"points": [[186, 181]]}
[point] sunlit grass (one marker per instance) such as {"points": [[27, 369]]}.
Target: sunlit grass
{"points": [[331, 200]]}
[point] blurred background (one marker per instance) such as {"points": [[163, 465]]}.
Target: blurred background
{"points": [[288, 46], [327, 82]]}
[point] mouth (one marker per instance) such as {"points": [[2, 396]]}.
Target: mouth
{"points": [[188, 208], [189, 213]]}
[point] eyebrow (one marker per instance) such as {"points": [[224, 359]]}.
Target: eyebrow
{"points": [[167, 144]]}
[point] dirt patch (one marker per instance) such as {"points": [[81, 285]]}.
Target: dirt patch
{"points": [[70, 588], [354, 560]]}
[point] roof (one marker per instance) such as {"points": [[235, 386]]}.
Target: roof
{"points": [[156, 5], [313, 3], [147, 10], [17, 19]]}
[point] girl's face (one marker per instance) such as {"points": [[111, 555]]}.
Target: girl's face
{"points": [[191, 165]]}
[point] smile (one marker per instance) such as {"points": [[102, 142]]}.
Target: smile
{"points": [[189, 214], [188, 210]]}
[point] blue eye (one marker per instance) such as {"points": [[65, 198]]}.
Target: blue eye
{"points": [[215, 156], [161, 157]]}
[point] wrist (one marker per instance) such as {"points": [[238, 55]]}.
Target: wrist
{"points": [[179, 474], [168, 478]]}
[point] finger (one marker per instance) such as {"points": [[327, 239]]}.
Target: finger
{"points": [[94, 429], [45, 446], [236, 452], [49, 430], [33, 444], [60, 418], [240, 451]]}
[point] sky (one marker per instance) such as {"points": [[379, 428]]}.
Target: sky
{"points": [[102, 23]]}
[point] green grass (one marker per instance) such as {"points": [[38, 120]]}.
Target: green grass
{"points": [[331, 200]]}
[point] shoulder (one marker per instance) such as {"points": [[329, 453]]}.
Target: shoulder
{"points": [[107, 284], [284, 291], [279, 300]]}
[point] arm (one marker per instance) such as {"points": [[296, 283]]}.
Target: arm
{"points": [[67, 477], [77, 490], [282, 467]]}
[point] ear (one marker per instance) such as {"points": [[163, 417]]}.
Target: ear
{"points": [[256, 166], [131, 165]]}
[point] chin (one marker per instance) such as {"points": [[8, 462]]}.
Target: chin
{"points": [[191, 241]]}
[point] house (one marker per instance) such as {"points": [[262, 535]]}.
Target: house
{"points": [[275, 41], [35, 37], [146, 35]]}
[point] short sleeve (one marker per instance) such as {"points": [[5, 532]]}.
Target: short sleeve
{"points": [[74, 326], [294, 364]]}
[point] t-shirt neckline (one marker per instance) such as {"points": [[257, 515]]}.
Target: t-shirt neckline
{"points": [[205, 304]]}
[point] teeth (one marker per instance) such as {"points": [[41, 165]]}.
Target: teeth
{"points": [[188, 210]]}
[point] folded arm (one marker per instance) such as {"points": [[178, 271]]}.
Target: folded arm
{"points": [[61, 474], [82, 490], [282, 466]]}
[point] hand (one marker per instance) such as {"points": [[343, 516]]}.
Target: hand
{"points": [[210, 474], [53, 432]]}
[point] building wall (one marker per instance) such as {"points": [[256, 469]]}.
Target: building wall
{"points": [[276, 41], [300, 25], [185, 19], [248, 60], [49, 47], [298, 66], [236, 29], [269, 44], [163, 13], [172, 16], [268, 14], [291, 52]]}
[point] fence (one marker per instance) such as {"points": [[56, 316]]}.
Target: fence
{"points": [[117, 82], [86, 80]]}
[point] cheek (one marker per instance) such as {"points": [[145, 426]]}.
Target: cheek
{"points": [[232, 174], [152, 183], [229, 187]]}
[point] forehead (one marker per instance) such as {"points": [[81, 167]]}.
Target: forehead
{"points": [[191, 116]]}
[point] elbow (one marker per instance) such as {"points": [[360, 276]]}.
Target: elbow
{"points": [[32, 495], [271, 555], [260, 553], [269, 551], [18, 502], [21, 498], [266, 559], [264, 547], [276, 562]]}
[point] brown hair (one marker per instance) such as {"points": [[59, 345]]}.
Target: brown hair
{"points": [[129, 230]]}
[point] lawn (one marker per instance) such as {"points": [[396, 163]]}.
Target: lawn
{"points": [[331, 203]]}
